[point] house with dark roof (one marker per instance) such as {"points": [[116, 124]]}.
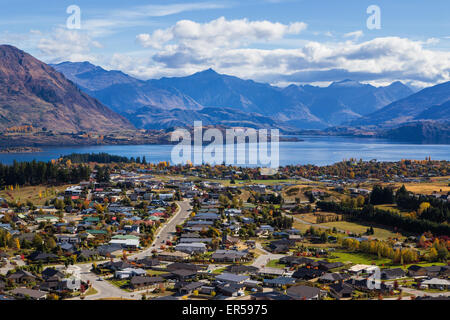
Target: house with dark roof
{"points": [[341, 290], [242, 269], [279, 282], [394, 273], [295, 261], [114, 266], [273, 295], [231, 289], [303, 293], [325, 265], [51, 274], [333, 277], [183, 274], [185, 288], [182, 266], [307, 273], [145, 282], [21, 276], [148, 262], [43, 257], [229, 256], [25, 293]]}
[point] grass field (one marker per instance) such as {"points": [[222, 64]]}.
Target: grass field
{"points": [[24, 194], [357, 228], [358, 258], [301, 226], [438, 184]]}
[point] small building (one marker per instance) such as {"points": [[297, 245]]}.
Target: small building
{"points": [[390, 274], [231, 278], [279, 282], [190, 248], [436, 283], [25, 293], [303, 293], [145, 282]]}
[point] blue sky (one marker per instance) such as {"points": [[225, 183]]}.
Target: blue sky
{"points": [[276, 41]]}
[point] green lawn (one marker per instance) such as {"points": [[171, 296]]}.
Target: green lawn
{"points": [[155, 272], [220, 270], [388, 207], [121, 284], [359, 228], [358, 258], [91, 291], [275, 264]]}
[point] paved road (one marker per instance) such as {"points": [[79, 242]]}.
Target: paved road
{"points": [[263, 259], [167, 231], [107, 290]]}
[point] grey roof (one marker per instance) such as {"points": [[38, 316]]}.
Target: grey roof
{"points": [[280, 281], [303, 292], [231, 277], [35, 294]]}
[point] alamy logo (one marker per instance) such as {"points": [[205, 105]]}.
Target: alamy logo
{"points": [[373, 281], [74, 282], [74, 20], [374, 21], [240, 147]]}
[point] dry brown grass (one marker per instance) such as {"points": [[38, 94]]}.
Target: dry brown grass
{"points": [[24, 194]]}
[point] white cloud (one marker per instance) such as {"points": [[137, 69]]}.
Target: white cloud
{"points": [[109, 22], [219, 33], [224, 45], [63, 44], [355, 35]]}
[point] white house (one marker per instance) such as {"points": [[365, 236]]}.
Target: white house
{"points": [[129, 272]]}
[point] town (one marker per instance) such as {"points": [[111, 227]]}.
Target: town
{"points": [[101, 227]]}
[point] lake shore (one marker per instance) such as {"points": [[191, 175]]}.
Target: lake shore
{"points": [[20, 150]]}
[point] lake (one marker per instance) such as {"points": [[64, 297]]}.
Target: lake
{"points": [[318, 150]]}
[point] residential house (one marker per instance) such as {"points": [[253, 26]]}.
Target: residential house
{"points": [[145, 282], [279, 282], [186, 288], [129, 273], [231, 278], [190, 248], [303, 293], [25, 293], [21, 276], [341, 290], [394, 273]]}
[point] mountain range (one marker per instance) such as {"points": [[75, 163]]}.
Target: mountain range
{"points": [[428, 104], [159, 103], [33, 93], [72, 97]]}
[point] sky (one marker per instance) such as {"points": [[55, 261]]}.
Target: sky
{"points": [[276, 41]]}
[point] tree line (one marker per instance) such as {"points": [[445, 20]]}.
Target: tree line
{"points": [[428, 207], [103, 158], [36, 173], [371, 214]]}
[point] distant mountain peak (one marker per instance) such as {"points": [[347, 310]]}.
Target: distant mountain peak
{"points": [[346, 83], [207, 72]]}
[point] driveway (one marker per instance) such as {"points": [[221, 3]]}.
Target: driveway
{"points": [[264, 258]]}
